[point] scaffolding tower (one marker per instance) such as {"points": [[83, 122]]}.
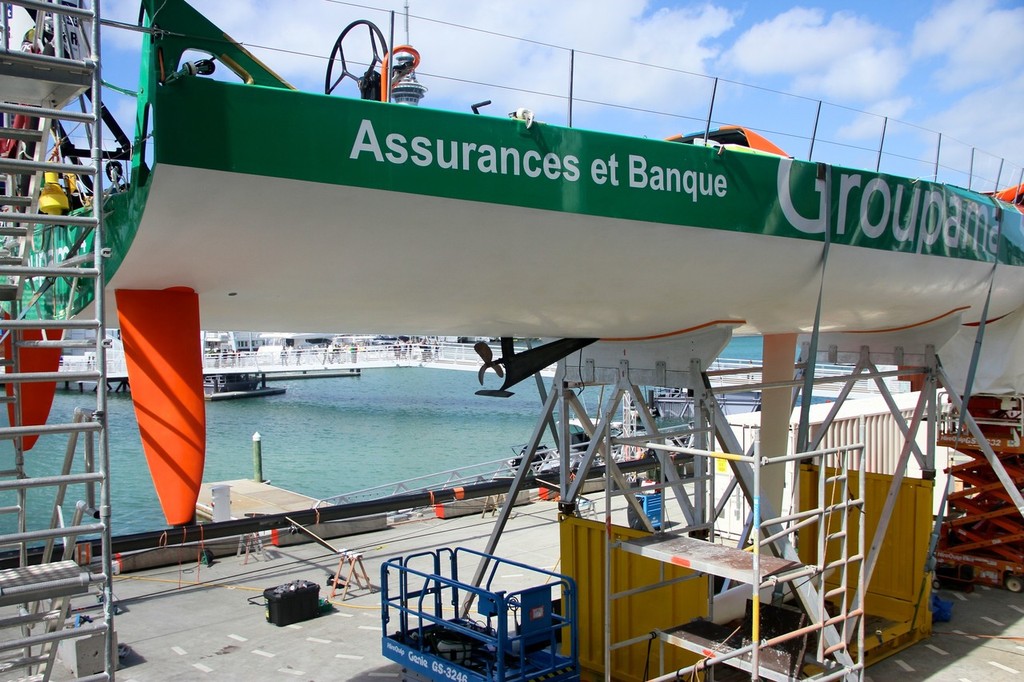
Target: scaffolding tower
{"points": [[49, 59]]}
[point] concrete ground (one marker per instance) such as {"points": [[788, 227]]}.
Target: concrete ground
{"points": [[193, 622]]}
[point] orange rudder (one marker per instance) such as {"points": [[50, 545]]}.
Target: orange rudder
{"points": [[163, 351]]}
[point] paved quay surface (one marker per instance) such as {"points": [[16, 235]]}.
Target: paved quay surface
{"points": [[195, 622]]}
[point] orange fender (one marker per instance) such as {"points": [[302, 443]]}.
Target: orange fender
{"points": [[36, 397], [164, 354]]}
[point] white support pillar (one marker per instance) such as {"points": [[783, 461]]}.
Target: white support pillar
{"points": [[776, 409]]}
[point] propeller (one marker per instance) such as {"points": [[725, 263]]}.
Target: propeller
{"points": [[485, 353]]}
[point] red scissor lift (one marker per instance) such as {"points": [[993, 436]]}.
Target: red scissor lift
{"points": [[982, 538]]}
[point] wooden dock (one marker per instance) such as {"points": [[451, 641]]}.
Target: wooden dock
{"points": [[249, 498]]}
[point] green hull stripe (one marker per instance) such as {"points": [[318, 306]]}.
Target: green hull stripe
{"points": [[269, 131]]}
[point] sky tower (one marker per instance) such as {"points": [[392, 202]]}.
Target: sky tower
{"points": [[408, 90]]}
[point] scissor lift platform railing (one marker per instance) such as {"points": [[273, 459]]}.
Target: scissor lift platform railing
{"points": [[520, 635]]}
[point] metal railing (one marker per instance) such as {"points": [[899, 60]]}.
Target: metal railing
{"points": [[724, 372], [283, 359], [578, 88]]}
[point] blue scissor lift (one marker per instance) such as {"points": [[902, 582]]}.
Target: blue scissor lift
{"points": [[516, 635]]}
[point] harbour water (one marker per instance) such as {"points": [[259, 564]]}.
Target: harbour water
{"points": [[322, 437]]}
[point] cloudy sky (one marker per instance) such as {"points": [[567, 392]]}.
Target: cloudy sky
{"points": [[902, 72]]}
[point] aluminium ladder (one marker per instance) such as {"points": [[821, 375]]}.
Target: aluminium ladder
{"points": [[42, 70], [775, 641]]}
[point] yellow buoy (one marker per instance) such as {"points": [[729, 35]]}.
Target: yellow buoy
{"points": [[52, 199]]}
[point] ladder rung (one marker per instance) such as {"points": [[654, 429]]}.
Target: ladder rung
{"points": [[11, 260], [14, 200], [19, 271], [6, 231], [840, 646], [49, 324], [58, 343], [835, 593], [22, 134], [58, 9], [8, 292], [26, 166], [41, 377], [13, 509], [50, 68], [77, 261], [44, 481], [835, 536], [9, 432], [839, 562], [30, 618], [44, 534], [47, 112], [23, 661], [56, 636], [788, 575], [48, 219]]}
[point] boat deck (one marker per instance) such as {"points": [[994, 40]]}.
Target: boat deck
{"points": [[194, 621]]}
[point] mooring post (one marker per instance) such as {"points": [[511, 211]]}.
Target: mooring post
{"points": [[257, 458]]}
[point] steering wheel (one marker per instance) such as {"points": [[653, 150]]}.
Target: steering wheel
{"points": [[369, 82]]}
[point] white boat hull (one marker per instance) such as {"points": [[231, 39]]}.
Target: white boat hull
{"points": [[305, 255]]}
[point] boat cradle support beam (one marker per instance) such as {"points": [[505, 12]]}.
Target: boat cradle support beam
{"points": [[674, 362], [926, 399], [601, 444], [517, 486], [866, 369]]}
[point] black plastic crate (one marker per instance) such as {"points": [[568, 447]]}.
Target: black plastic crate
{"points": [[292, 602]]}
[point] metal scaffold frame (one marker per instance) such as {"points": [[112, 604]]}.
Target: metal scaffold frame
{"points": [[43, 69], [830, 578]]}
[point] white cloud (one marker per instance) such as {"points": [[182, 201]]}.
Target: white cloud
{"points": [[457, 63], [126, 12], [987, 118], [975, 41], [848, 58], [868, 126], [841, 57]]}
